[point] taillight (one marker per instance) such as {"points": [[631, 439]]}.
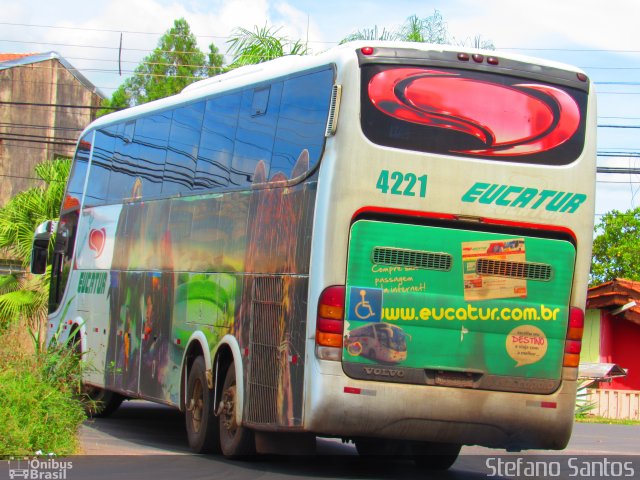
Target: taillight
{"points": [[330, 323], [573, 343]]}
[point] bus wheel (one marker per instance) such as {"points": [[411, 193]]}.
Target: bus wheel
{"points": [[435, 456], [235, 441], [201, 423], [100, 403]]}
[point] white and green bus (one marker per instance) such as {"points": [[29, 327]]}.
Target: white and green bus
{"points": [[216, 248]]}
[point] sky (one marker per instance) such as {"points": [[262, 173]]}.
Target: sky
{"points": [[599, 37]]}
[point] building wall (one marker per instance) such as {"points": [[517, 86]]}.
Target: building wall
{"points": [[619, 344], [591, 338], [30, 134]]}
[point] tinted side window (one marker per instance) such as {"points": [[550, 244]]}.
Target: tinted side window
{"points": [[256, 131], [303, 119], [217, 142], [125, 163], [182, 154], [78, 174], [98, 185], [151, 136]]}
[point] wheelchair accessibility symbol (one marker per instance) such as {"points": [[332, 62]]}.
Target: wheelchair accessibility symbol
{"points": [[365, 304]]}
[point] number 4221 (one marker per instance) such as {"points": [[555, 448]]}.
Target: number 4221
{"points": [[398, 183]]}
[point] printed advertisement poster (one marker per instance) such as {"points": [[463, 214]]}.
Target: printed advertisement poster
{"points": [[496, 285]]}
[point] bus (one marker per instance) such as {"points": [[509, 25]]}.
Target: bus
{"points": [[380, 342], [216, 249]]}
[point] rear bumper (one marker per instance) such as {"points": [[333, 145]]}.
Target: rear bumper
{"points": [[337, 405]]}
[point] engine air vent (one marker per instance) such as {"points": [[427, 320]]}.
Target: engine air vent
{"points": [[522, 270], [412, 258]]}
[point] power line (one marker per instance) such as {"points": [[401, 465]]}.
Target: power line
{"points": [[38, 127], [53, 141], [56, 105]]}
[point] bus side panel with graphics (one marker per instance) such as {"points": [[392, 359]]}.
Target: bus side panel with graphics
{"points": [[188, 221]]}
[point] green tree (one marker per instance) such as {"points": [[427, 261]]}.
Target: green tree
{"points": [[431, 29], [373, 33], [175, 63], [260, 45], [616, 247], [24, 297]]}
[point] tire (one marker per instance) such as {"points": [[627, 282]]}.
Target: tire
{"points": [[435, 456], [100, 403], [200, 420], [235, 441]]}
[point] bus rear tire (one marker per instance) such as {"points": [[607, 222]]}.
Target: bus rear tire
{"points": [[201, 423], [236, 441], [100, 403]]}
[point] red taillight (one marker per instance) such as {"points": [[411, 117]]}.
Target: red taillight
{"points": [[573, 343], [573, 346], [367, 50], [330, 326], [330, 321], [576, 324]]}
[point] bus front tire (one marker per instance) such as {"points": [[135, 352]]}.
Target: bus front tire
{"points": [[100, 403], [201, 423], [236, 441]]}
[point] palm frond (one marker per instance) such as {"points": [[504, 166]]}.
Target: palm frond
{"points": [[260, 45]]}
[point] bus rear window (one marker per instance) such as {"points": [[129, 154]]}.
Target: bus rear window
{"points": [[472, 114]]}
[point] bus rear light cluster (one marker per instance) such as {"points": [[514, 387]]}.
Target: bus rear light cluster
{"points": [[573, 343], [478, 58], [330, 323]]}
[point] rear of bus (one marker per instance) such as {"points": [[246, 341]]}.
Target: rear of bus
{"points": [[455, 211]]}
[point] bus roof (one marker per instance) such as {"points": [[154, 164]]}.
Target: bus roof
{"points": [[290, 64]]}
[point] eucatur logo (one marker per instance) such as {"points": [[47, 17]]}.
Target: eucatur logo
{"points": [[518, 119], [97, 238]]}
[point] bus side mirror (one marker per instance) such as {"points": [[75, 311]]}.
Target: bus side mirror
{"points": [[40, 247]]}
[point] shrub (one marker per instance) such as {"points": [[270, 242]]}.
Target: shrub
{"points": [[39, 407]]}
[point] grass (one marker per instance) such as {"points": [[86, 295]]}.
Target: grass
{"points": [[610, 421], [39, 408]]}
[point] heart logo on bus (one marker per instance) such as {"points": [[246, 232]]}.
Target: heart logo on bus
{"points": [[97, 240], [518, 119]]}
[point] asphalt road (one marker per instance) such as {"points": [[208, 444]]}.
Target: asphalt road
{"points": [[144, 440]]}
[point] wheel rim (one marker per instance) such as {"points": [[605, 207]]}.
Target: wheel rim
{"points": [[196, 406], [228, 414]]}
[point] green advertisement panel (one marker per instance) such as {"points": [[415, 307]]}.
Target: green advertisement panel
{"points": [[441, 299]]}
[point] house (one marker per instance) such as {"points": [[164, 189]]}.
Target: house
{"points": [[612, 336], [44, 105]]}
